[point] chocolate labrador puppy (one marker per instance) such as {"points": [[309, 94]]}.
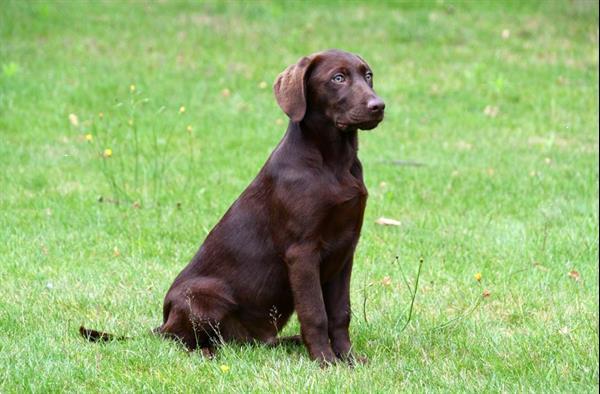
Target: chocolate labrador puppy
{"points": [[288, 241]]}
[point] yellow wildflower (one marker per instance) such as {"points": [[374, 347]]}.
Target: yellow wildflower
{"points": [[478, 276], [132, 88], [181, 109], [107, 152], [224, 368], [89, 137]]}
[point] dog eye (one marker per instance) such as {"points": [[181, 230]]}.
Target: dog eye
{"points": [[339, 78], [369, 76]]}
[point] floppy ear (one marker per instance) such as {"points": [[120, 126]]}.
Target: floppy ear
{"points": [[290, 88]]}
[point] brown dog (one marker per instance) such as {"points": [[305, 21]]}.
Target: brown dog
{"points": [[288, 241]]}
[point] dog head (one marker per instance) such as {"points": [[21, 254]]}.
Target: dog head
{"points": [[334, 85]]}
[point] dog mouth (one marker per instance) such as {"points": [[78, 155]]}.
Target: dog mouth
{"points": [[369, 125], [366, 124]]}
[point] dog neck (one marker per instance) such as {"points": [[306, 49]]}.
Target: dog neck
{"points": [[337, 148]]}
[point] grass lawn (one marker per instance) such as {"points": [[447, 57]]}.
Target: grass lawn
{"points": [[488, 158]]}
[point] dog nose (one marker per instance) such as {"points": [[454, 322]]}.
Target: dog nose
{"points": [[375, 104]]}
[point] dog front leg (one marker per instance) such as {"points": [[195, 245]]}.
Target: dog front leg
{"points": [[303, 270], [337, 303]]}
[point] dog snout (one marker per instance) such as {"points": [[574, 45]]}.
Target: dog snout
{"points": [[375, 104]]}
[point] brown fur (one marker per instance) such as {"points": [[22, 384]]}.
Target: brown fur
{"points": [[287, 243]]}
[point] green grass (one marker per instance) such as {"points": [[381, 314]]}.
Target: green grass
{"points": [[512, 194]]}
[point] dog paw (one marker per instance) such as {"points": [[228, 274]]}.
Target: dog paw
{"points": [[354, 360]]}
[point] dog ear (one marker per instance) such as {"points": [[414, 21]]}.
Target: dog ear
{"points": [[290, 88]]}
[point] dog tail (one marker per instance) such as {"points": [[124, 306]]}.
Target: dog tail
{"points": [[99, 336]]}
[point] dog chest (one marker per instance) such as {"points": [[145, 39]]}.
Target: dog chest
{"points": [[340, 233]]}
